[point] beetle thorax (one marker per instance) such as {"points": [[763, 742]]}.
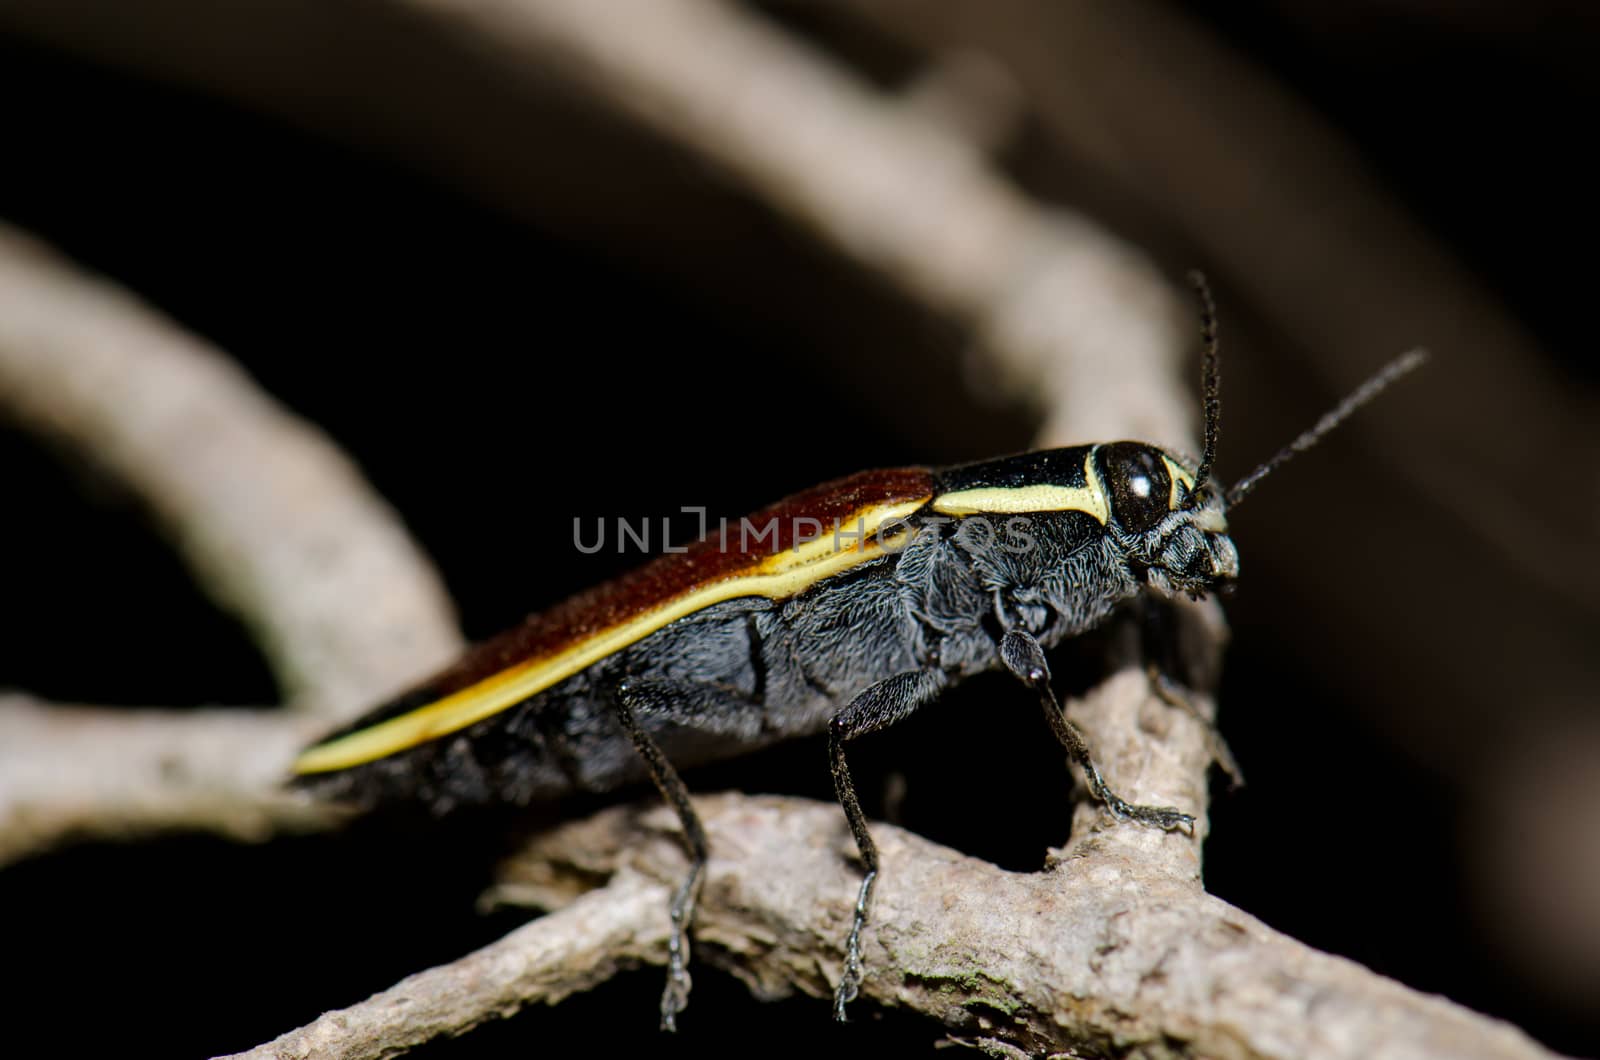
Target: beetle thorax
{"points": [[1056, 540]]}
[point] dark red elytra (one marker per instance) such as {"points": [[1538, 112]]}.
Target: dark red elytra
{"points": [[723, 553]]}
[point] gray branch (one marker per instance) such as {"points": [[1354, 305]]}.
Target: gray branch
{"points": [[555, 956], [74, 773], [1073, 317], [276, 523], [1096, 955]]}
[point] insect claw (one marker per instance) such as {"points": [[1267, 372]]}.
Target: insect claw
{"points": [[674, 999], [1179, 822], [845, 994], [1167, 818]]}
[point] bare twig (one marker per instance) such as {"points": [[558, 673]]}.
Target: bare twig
{"points": [[1065, 313], [1093, 956], [275, 521], [547, 960], [1074, 317], [86, 772]]}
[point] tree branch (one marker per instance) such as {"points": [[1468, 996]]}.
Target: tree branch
{"points": [[1095, 955], [273, 519], [558, 955], [1066, 310], [275, 522], [72, 773], [1067, 314]]}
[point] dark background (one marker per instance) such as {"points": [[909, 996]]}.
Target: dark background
{"points": [[458, 351]]}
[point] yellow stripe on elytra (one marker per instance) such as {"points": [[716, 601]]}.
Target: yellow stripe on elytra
{"points": [[1177, 474], [781, 575], [1009, 500]]}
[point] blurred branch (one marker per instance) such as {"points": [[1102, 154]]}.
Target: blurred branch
{"points": [[1071, 316], [72, 773], [1094, 956], [1062, 306], [274, 520], [556, 956], [1330, 269]]}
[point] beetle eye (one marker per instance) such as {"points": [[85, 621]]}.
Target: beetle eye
{"points": [[1138, 482]]}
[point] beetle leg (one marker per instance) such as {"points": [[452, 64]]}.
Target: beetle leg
{"points": [[1158, 639], [877, 707], [1025, 658], [676, 995]]}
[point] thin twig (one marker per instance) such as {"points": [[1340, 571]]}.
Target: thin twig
{"points": [[564, 953]]}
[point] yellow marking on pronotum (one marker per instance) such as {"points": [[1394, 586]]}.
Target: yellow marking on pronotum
{"points": [[1207, 519], [1009, 500], [782, 575], [1177, 474]]}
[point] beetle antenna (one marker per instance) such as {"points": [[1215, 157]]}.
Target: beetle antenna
{"points": [[1388, 374], [1210, 379]]}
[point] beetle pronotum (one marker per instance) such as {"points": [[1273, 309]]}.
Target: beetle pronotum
{"points": [[919, 578]]}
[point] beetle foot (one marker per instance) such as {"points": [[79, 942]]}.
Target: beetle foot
{"points": [[850, 979], [1167, 818], [675, 998]]}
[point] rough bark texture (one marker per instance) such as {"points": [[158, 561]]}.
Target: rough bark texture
{"points": [[1095, 956], [549, 959]]}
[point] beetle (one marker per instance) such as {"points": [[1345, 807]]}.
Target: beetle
{"points": [[841, 609]]}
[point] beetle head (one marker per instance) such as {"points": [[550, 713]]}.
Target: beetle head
{"points": [[1172, 531], [1169, 520]]}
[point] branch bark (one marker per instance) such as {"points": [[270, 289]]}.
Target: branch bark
{"points": [[552, 958], [74, 773], [1096, 955]]}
